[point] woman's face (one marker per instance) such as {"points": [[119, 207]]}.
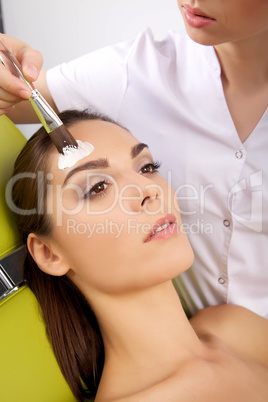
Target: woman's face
{"points": [[227, 20], [105, 211]]}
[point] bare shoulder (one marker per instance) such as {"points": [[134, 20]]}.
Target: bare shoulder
{"points": [[243, 331], [189, 383], [221, 378], [222, 310]]}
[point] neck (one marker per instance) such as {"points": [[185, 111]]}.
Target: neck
{"points": [[146, 330], [244, 63]]}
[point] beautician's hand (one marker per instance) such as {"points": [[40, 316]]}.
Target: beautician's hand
{"points": [[12, 89]]}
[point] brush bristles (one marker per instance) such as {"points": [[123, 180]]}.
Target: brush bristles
{"points": [[62, 138]]}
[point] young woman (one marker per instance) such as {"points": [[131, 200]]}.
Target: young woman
{"points": [[204, 111], [105, 238]]}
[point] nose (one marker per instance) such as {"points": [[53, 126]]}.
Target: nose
{"points": [[141, 195], [149, 197]]}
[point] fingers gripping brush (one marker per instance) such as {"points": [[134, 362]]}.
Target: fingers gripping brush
{"points": [[70, 150]]}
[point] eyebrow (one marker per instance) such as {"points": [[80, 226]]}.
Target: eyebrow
{"points": [[136, 150], [91, 165], [103, 163]]}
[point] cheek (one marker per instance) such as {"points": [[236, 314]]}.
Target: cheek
{"points": [[246, 15], [97, 249], [106, 264]]}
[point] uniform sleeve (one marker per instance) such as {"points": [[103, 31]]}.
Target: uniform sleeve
{"points": [[97, 80]]}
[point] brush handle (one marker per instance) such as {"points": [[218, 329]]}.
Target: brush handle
{"points": [[46, 115]]}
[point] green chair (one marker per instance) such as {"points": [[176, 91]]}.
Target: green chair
{"points": [[29, 371]]}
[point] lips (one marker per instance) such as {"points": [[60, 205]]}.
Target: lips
{"points": [[196, 11], [163, 228], [197, 18]]}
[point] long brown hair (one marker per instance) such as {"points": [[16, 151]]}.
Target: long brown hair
{"points": [[71, 325]]}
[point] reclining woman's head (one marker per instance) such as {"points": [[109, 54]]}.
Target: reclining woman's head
{"points": [[109, 225]]}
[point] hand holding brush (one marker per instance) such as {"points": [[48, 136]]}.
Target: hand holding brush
{"points": [[58, 133]]}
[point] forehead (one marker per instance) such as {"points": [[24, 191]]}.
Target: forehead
{"points": [[102, 135], [109, 140]]}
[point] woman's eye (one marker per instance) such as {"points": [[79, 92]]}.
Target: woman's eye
{"points": [[97, 189], [150, 168]]}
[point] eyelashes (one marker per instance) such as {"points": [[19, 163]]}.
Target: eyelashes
{"points": [[151, 167], [100, 188]]}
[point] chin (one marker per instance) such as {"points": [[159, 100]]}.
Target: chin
{"points": [[203, 38]]}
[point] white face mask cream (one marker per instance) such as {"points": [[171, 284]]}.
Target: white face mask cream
{"points": [[71, 154]]}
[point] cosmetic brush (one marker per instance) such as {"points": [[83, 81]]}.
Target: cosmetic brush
{"points": [[61, 137]]}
